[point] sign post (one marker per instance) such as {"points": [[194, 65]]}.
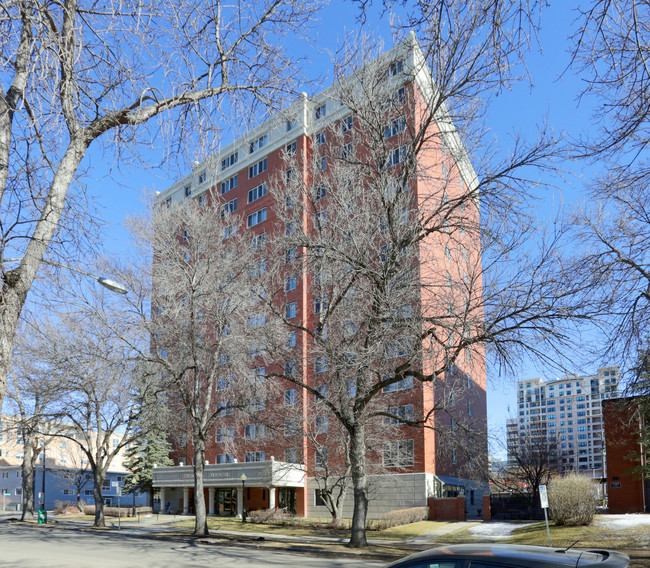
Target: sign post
{"points": [[118, 490], [543, 497]]}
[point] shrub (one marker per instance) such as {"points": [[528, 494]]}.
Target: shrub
{"points": [[269, 517], [61, 507], [572, 500], [124, 511], [398, 518]]}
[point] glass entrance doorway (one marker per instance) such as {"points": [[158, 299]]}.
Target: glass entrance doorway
{"points": [[287, 499], [226, 501]]}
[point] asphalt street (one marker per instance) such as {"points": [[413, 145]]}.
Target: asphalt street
{"points": [[34, 547]]}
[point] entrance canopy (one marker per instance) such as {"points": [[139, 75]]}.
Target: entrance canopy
{"points": [[258, 474]]}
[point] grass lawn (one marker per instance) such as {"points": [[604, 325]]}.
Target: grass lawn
{"points": [[594, 536], [311, 527]]}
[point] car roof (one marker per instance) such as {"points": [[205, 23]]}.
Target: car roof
{"points": [[513, 555]]}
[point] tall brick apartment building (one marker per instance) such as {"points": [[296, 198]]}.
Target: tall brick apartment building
{"points": [[417, 462]]}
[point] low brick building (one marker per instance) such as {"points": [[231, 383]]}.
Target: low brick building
{"points": [[627, 491]]}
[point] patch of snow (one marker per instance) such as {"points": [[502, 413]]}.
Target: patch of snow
{"points": [[623, 521], [496, 530]]}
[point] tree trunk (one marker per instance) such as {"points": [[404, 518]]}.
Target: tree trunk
{"points": [[28, 482], [99, 476], [201, 519], [359, 487], [17, 282]]}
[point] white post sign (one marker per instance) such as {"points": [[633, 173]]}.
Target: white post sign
{"points": [[543, 497]]}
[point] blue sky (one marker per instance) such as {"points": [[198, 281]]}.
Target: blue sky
{"points": [[552, 97]]}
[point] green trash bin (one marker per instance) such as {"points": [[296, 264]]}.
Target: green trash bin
{"points": [[42, 517]]}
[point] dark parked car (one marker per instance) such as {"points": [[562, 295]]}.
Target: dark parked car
{"points": [[512, 556]]}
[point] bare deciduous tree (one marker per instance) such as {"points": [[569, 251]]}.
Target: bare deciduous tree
{"points": [[611, 45], [76, 475], [206, 316], [34, 392], [71, 79], [416, 262], [104, 389]]}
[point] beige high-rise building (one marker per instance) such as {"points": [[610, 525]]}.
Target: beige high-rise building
{"points": [[566, 415]]}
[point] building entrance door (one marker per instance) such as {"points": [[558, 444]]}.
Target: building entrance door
{"points": [[226, 502], [287, 499]]}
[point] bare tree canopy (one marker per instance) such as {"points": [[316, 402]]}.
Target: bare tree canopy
{"points": [[70, 75], [611, 46]]}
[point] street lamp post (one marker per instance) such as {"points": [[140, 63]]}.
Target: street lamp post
{"points": [[105, 282], [43, 483], [243, 497]]}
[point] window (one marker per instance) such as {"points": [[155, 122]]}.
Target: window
{"points": [[258, 143], [253, 432], [290, 368], [291, 339], [398, 453], [403, 413], [320, 364], [187, 191], [290, 228], [321, 458], [323, 163], [225, 458], [224, 383], [257, 168], [225, 434], [403, 384], [290, 283], [346, 151], [292, 148], [168, 202], [346, 124], [289, 255], [257, 242], [259, 374], [321, 219], [321, 392], [290, 397], [256, 218], [395, 68], [229, 160], [290, 428], [320, 111], [225, 408], [321, 192], [229, 184], [18, 491], [202, 200], [254, 456], [229, 207], [291, 124], [320, 305], [291, 455], [395, 127], [290, 310], [469, 407], [320, 138], [397, 156], [202, 177], [256, 321], [258, 267], [256, 192], [321, 425], [453, 456], [88, 492]]}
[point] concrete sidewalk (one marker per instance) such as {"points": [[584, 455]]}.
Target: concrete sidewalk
{"points": [[160, 524]]}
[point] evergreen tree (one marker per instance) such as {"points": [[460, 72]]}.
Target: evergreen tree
{"points": [[152, 450]]}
